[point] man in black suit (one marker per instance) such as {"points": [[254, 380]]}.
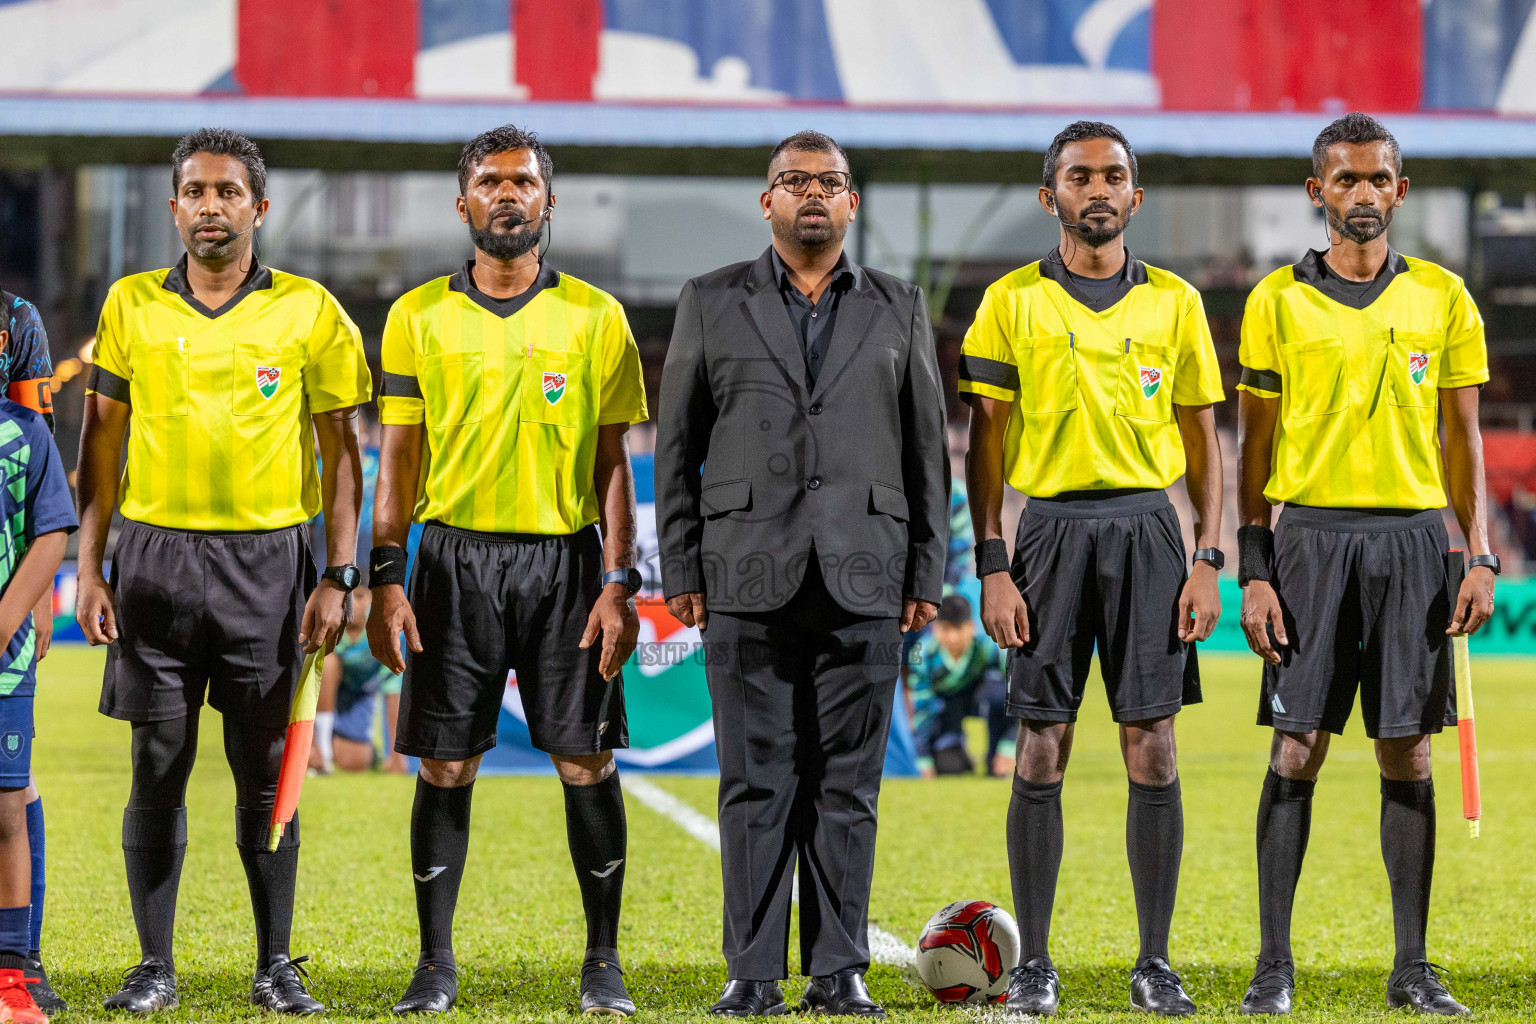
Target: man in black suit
{"points": [[803, 489]]}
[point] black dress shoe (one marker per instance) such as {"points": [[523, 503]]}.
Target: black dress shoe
{"points": [[750, 999], [1033, 988], [1416, 984], [146, 987], [434, 988], [840, 995], [602, 987], [281, 987], [1156, 989], [43, 994], [1270, 990]]}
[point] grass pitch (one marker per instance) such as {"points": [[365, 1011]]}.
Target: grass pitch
{"points": [[519, 925]]}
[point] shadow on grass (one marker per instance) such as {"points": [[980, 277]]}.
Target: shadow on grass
{"points": [[529, 989]]}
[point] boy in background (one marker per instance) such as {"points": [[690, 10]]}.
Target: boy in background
{"points": [[957, 675], [353, 680]]}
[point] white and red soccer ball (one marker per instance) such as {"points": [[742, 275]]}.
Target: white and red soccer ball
{"points": [[966, 951]]}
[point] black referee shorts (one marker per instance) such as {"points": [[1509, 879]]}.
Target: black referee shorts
{"points": [[207, 612], [490, 603], [1366, 595], [1106, 570]]}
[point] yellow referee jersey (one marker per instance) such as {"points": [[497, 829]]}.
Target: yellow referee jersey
{"points": [[1357, 368], [512, 392], [1093, 382], [219, 434]]}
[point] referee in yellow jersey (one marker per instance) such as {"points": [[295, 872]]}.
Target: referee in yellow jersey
{"points": [[1350, 358], [508, 391], [219, 365], [1090, 377]]}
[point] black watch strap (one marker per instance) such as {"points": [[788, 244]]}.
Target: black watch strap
{"points": [[347, 577], [1488, 561], [1213, 555], [630, 577]]}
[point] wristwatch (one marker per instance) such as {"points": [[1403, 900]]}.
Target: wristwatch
{"points": [[1485, 561], [1212, 555], [347, 577], [630, 577]]}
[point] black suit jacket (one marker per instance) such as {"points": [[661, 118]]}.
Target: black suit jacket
{"points": [[754, 469]]}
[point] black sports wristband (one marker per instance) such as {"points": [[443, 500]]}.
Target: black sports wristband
{"points": [[1255, 553], [386, 565], [991, 557]]}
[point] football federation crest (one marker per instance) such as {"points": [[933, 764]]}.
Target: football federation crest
{"points": [[267, 379], [1151, 380], [554, 387], [1418, 365]]}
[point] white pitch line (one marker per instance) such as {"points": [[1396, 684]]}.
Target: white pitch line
{"points": [[884, 947]]}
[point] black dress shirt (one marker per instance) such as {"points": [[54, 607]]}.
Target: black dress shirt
{"points": [[813, 321]]}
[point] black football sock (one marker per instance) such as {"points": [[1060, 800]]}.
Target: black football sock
{"points": [[598, 836], [154, 845], [1285, 824], [37, 843], [1034, 861], [1408, 847], [439, 846], [1154, 844], [271, 878]]}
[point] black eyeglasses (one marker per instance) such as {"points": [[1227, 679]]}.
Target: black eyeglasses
{"points": [[797, 183]]}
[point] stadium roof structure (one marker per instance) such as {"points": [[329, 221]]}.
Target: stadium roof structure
{"points": [[949, 144]]}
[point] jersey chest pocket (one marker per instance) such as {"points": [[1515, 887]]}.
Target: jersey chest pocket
{"points": [[1315, 384], [1146, 382], [1047, 374], [454, 388], [1413, 368], [552, 388], [162, 373], [266, 378]]}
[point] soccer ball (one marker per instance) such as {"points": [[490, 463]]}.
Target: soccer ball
{"points": [[966, 951]]}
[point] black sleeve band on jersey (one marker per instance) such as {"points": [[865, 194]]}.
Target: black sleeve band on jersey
{"points": [[1264, 380], [991, 557], [1255, 553], [386, 565], [105, 382], [399, 385], [989, 371]]}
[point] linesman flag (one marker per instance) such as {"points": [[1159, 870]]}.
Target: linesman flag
{"points": [[301, 731], [1466, 728]]}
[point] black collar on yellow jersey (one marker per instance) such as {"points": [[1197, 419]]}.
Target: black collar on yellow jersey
{"points": [[1132, 273], [176, 281], [1314, 270], [464, 281]]}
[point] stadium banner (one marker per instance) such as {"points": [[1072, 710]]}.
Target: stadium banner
{"points": [[1207, 55]]}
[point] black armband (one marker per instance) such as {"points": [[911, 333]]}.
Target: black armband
{"points": [[1255, 553], [386, 565], [991, 557]]}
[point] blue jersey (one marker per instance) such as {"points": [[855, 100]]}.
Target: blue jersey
{"points": [[25, 365], [34, 500]]}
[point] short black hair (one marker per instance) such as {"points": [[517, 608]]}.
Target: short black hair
{"points": [[1357, 128], [502, 140], [955, 609], [1082, 131], [808, 142], [222, 142]]}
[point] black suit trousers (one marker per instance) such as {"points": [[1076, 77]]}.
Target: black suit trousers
{"points": [[802, 709]]}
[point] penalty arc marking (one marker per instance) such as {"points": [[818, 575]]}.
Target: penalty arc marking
{"points": [[884, 947]]}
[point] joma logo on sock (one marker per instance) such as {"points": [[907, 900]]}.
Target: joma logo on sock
{"points": [[612, 867], [431, 874]]}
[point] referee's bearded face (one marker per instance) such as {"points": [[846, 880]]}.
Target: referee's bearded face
{"points": [[814, 221], [215, 209], [504, 203], [1360, 189], [1095, 197]]}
